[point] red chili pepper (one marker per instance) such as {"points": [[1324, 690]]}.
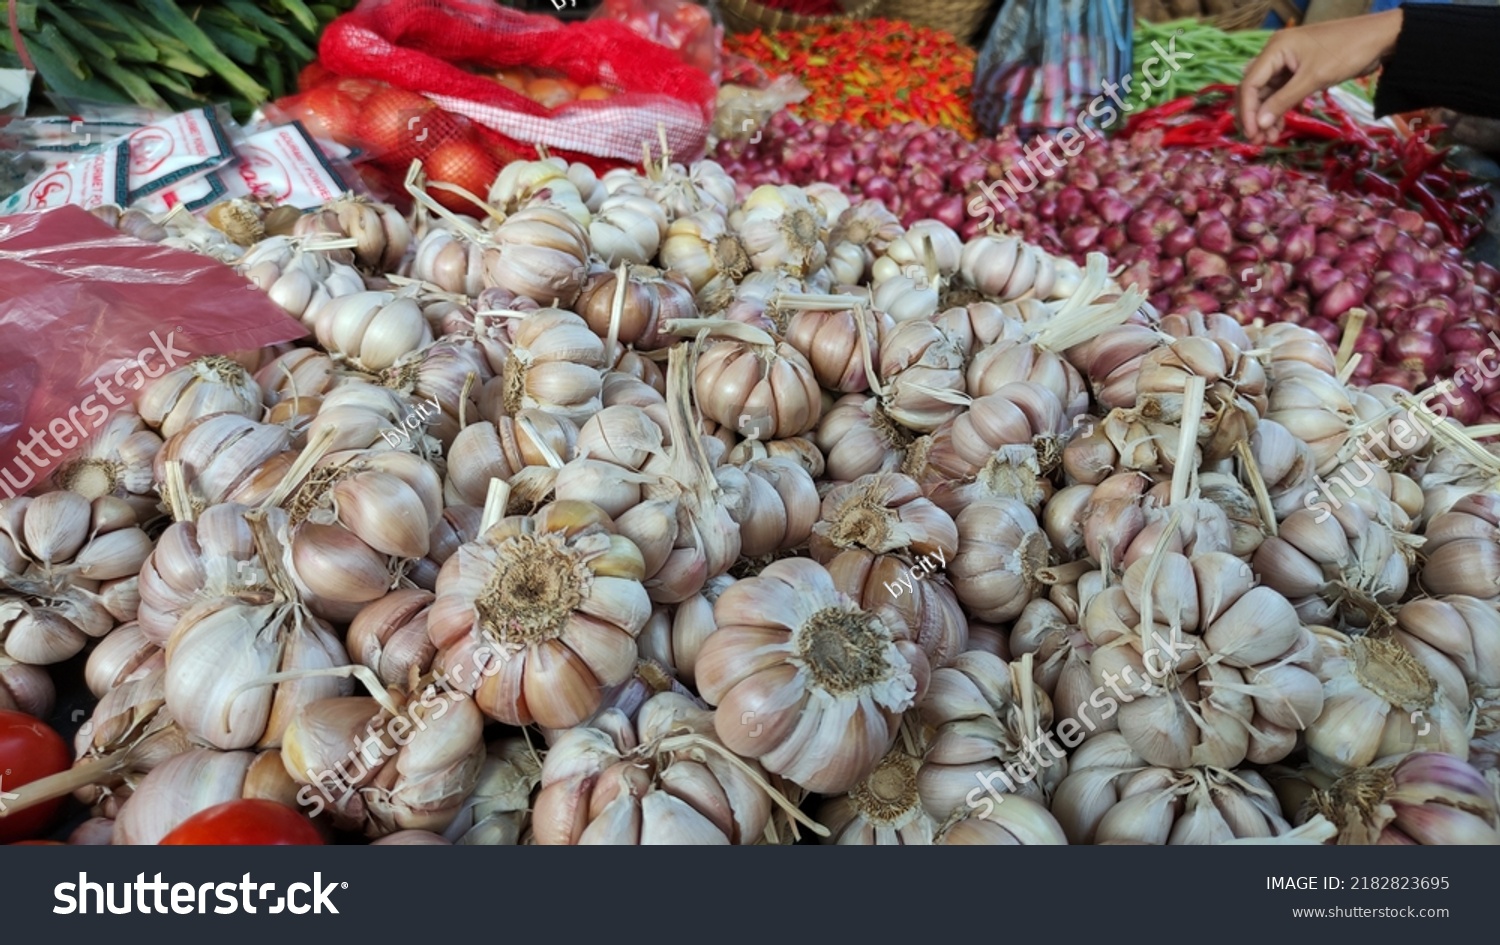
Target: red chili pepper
{"points": [[1297, 124], [1373, 183], [1438, 213]]}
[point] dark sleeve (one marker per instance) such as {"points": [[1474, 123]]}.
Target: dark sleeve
{"points": [[1444, 58]]}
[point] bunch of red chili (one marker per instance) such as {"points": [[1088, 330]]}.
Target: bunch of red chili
{"points": [[875, 73], [1324, 140]]}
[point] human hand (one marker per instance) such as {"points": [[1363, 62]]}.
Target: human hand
{"points": [[1295, 63]]}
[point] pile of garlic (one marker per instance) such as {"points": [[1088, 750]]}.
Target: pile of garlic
{"points": [[767, 519]]}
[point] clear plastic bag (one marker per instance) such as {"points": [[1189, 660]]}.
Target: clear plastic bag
{"points": [[1044, 61], [94, 315]]}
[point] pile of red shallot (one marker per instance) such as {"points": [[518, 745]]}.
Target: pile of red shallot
{"points": [[1198, 230]]}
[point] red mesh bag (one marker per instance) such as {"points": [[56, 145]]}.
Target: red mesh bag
{"points": [[428, 46]]}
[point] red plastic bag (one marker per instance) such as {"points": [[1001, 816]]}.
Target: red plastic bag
{"points": [[676, 24], [93, 315], [429, 46]]}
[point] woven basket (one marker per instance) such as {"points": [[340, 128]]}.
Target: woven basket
{"points": [[959, 17], [742, 16], [1245, 16]]}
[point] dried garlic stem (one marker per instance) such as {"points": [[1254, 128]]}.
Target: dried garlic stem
{"points": [[1352, 327], [1257, 483], [1187, 441]]}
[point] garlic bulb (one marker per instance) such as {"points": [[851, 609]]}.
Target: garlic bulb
{"points": [[551, 361], [128, 735], [450, 262], [884, 513], [922, 368], [666, 779], [1423, 798], [220, 455], [649, 299], [915, 589], [1112, 359], [59, 558], [752, 383], [555, 602], [1462, 550], [868, 227], [858, 438], [436, 379], [305, 373], [688, 529], [628, 228], [1316, 408], [1289, 343], [674, 639], [1002, 446], [1457, 640], [213, 555], [540, 253], [1005, 267], [25, 688], [116, 461], [381, 234], [385, 771], [361, 415], [922, 237], [372, 330], [830, 341], [1379, 700], [1110, 796], [987, 716], [780, 507], [805, 681], [1020, 822], [780, 230], [1217, 669], [1234, 401], [883, 809], [701, 247], [907, 296], [390, 636], [1336, 564], [1000, 549], [500, 450], [545, 183], [125, 653], [299, 276], [498, 811], [202, 386], [194, 781]]}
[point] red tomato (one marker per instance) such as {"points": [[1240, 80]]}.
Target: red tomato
{"points": [[390, 119], [29, 751], [465, 163], [245, 823]]}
